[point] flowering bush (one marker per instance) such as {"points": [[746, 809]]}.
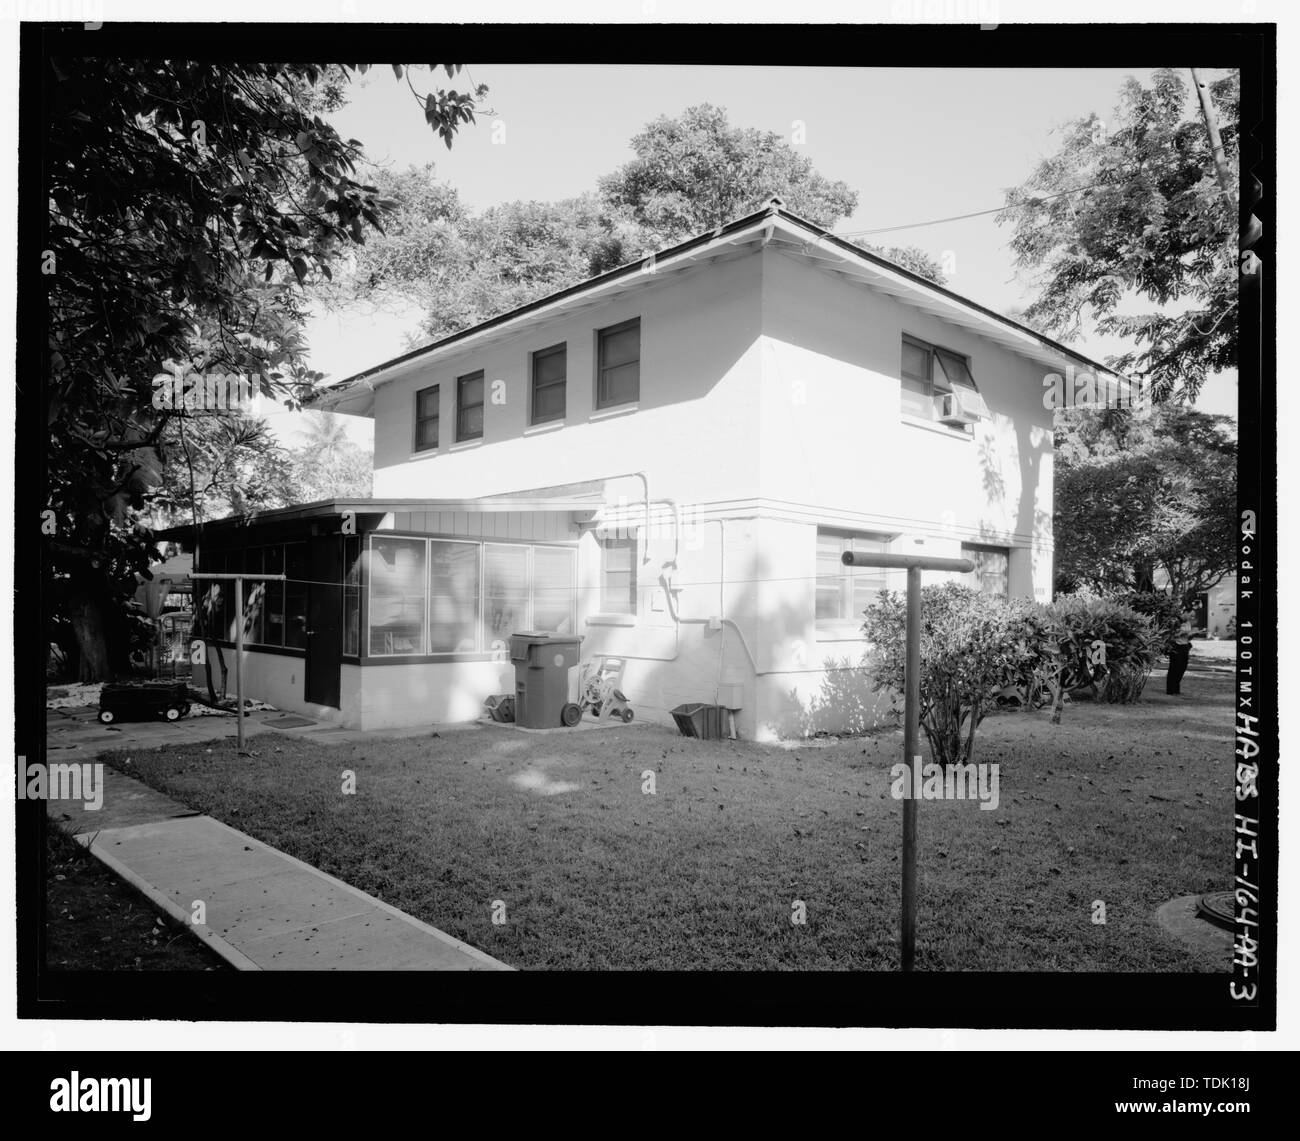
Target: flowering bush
{"points": [[972, 646]]}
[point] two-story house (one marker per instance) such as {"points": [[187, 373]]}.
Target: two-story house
{"points": [[669, 460]]}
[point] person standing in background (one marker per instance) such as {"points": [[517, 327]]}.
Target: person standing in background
{"points": [[1179, 653]]}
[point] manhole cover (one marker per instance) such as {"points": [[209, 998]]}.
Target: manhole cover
{"points": [[1218, 907]]}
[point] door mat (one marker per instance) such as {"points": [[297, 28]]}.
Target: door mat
{"points": [[289, 722]]}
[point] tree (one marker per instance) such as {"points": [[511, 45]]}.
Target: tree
{"points": [[697, 171], [1133, 210], [690, 174], [325, 436], [219, 466], [346, 473], [189, 202], [1142, 494]]}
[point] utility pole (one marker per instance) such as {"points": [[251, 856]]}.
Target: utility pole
{"points": [[914, 565], [1216, 143]]}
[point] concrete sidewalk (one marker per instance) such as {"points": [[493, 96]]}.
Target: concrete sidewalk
{"points": [[262, 909]]}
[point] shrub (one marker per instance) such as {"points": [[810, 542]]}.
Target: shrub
{"points": [[972, 646], [1105, 645]]}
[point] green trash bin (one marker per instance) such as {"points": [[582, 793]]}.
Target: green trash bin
{"points": [[542, 664]]}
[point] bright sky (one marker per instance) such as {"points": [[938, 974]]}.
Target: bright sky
{"points": [[916, 145]]}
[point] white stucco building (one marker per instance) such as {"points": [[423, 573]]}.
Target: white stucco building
{"points": [[668, 460]]}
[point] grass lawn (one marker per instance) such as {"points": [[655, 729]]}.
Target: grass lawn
{"points": [[1128, 805], [95, 922]]}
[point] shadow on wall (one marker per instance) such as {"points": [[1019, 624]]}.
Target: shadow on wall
{"points": [[845, 704]]}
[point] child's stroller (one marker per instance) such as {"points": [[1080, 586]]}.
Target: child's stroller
{"points": [[598, 688]]}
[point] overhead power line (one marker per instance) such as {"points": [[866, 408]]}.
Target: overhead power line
{"points": [[974, 214]]}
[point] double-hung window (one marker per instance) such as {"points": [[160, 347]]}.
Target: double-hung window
{"points": [[618, 574], [843, 593], [549, 367], [618, 364], [469, 407], [426, 419], [992, 566]]}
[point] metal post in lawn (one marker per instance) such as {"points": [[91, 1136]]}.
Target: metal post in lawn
{"points": [[914, 565], [239, 663]]}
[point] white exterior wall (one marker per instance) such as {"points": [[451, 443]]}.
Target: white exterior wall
{"points": [[692, 430], [835, 447], [770, 401], [277, 679]]}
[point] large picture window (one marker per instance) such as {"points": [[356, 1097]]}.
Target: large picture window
{"points": [[453, 596], [398, 588]]}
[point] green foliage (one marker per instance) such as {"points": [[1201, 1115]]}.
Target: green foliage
{"points": [[690, 174], [1149, 221], [1142, 496], [1164, 611], [972, 646], [697, 171], [1105, 645], [189, 202]]}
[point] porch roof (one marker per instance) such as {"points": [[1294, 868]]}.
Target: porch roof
{"points": [[572, 498]]}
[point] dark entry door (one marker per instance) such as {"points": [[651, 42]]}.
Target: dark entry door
{"points": [[324, 620]]}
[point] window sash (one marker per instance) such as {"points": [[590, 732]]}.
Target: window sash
{"points": [[548, 376], [426, 419], [398, 610], [618, 575], [992, 573], [455, 586], [619, 364], [843, 592], [928, 371], [506, 593], [472, 596], [469, 406], [550, 367], [554, 589]]}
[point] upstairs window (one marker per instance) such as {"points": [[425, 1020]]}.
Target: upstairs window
{"points": [[469, 407], [928, 373], [426, 419], [618, 364], [549, 368]]}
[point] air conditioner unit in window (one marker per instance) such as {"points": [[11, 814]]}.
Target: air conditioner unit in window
{"points": [[961, 406]]}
